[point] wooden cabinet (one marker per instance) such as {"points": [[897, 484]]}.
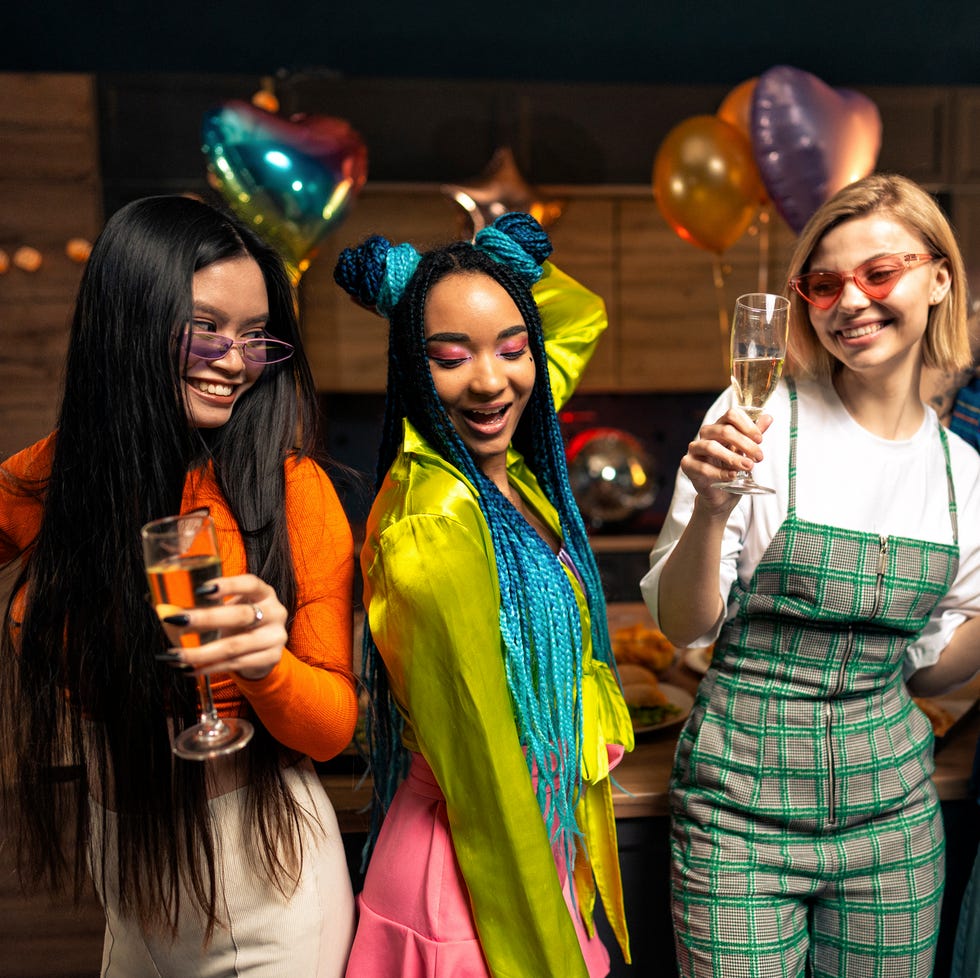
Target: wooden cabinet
{"points": [[917, 126], [49, 193], [73, 141], [667, 300], [965, 142], [347, 344]]}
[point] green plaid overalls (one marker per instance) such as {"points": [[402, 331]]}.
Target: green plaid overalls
{"points": [[805, 821]]}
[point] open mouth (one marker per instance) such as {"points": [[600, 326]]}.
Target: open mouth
{"points": [[487, 422]]}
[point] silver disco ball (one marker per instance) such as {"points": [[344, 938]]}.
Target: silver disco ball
{"points": [[611, 474]]}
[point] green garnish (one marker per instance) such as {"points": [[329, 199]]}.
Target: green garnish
{"points": [[650, 716]]}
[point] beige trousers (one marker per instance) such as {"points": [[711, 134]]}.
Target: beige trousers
{"points": [[261, 933]]}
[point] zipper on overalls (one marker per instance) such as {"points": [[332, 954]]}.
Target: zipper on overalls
{"points": [[829, 725], [831, 782], [880, 577], [839, 685]]}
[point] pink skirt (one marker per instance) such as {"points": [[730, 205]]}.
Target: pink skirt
{"points": [[414, 911]]}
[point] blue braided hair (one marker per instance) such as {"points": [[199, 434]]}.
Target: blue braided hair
{"points": [[539, 622]]}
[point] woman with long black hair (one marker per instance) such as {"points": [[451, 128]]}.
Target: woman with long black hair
{"points": [[185, 386]]}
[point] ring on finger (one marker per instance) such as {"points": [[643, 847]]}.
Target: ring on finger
{"points": [[258, 616]]}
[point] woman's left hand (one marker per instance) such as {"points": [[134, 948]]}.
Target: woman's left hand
{"points": [[250, 619]]}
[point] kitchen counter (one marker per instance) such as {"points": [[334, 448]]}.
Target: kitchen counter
{"points": [[644, 774], [642, 777]]}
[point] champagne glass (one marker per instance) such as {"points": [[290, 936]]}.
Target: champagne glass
{"points": [[758, 337], [181, 554]]}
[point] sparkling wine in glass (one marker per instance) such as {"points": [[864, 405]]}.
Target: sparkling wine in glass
{"points": [[759, 329], [181, 554]]}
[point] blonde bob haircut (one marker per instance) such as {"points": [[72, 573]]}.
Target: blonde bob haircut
{"points": [[946, 344]]}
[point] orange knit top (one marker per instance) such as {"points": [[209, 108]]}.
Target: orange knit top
{"points": [[308, 702]]}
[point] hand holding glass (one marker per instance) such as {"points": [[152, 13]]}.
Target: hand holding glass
{"points": [[181, 554], [758, 349]]}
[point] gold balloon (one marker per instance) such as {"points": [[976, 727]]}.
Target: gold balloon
{"points": [[706, 182], [498, 189]]}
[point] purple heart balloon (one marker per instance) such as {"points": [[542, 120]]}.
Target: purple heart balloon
{"points": [[810, 140]]}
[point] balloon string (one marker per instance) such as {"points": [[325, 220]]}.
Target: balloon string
{"points": [[719, 278], [764, 248]]}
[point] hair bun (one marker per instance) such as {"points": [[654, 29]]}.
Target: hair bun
{"points": [[360, 271], [526, 232]]}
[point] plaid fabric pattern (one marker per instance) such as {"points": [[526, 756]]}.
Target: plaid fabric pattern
{"points": [[805, 822]]}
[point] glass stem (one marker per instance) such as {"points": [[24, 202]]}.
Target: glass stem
{"points": [[205, 702]]}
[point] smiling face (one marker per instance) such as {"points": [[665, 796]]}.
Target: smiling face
{"points": [[876, 336], [481, 364], [230, 298]]}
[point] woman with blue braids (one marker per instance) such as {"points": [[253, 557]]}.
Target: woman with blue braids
{"points": [[486, 652]]}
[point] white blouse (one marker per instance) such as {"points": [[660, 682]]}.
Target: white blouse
{"points": [[849, 478]]}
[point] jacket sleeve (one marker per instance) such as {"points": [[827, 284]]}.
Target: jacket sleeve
{"points": [[432, 601], [309, 700], [573, 319], [22, 483]]}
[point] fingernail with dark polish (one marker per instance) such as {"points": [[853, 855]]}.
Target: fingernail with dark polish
{"points": [[178, 619], [204, 589], [171, 655]]}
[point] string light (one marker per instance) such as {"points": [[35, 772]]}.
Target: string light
{"points": [[29, 259]]}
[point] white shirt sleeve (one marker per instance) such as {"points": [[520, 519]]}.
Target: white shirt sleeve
{"points": [[962, 601], [751, 525], [850, 478]]}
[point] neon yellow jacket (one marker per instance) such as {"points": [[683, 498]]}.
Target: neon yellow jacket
{"points": [[432, 598]]}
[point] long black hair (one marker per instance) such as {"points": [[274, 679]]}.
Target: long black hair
{"points": [[81, 690]]}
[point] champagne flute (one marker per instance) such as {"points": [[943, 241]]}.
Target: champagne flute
{"points": [[181, 554], [758, 349]]}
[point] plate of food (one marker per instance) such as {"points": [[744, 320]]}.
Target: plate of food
{"points": [[653, 705], [699, 660], [946, 710], [644, 645]]}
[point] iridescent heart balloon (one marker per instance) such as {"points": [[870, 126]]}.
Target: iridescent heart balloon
{"points": [[810, 140], [293, 180]]}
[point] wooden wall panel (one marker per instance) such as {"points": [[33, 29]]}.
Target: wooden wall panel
{"points": [[49, 193], [665, 310], [585, 247], [672, 335], [673, 298], [34, 102], [966, 148], [916, 132], [347, 344], [966, 220]]}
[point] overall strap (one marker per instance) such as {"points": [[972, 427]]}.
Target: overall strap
{"points": [[950, 488], [793, 427]]}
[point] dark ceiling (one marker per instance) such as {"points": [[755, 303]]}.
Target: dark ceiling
{"points": [[900, 42]]}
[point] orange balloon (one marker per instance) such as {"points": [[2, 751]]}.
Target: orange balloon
{"points": [[736, 110], [706, 182], [736, 107]]}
